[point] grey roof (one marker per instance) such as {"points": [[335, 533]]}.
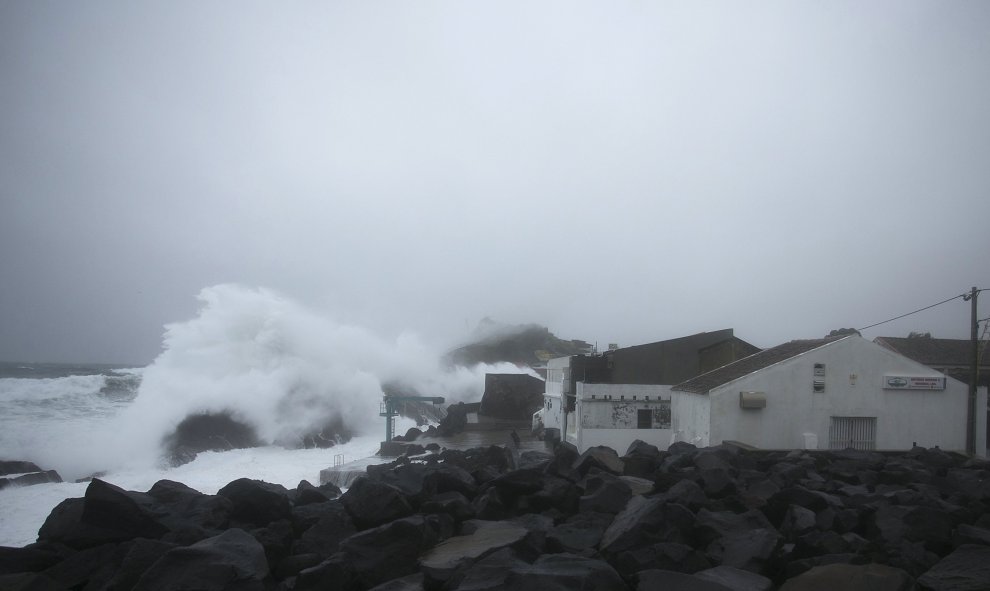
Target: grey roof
{"points": [[707, 382], [935, 352]]}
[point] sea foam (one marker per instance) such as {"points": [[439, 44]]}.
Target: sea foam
{"points": [[281, 368]]}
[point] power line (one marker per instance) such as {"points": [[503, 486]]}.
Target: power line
{"points": [[915, 312]]}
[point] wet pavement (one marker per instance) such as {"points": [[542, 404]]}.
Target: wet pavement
{"points": [[475, 436]]}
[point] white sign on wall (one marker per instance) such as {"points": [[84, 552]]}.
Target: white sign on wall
{"points": [[913, 383]]}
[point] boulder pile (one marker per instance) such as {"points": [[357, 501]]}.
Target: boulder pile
{"points": [[717, 519]]}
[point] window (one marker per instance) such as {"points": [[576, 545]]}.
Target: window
{"points": [[818, 382]]}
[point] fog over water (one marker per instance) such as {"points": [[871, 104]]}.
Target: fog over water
{"points": [[620, 172]]}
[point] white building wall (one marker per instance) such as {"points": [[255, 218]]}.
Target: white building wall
{"points": [[611, 417], [690, 418], [854, 372], [553, 401]]}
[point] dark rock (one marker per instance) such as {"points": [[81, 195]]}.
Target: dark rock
{"points": [[106, 514], [681, 447], [291, 566], [445, 478], [793, 568], [333, 574], [638, 486], [579, 533], [639, 466], [532, 459], [189, 515], [735, 579], [712, 459], [136, 557], [305, 493], [208, 432], [276, 538], [643, 449], [968, 534], [551, 572], [966, 568], [232, 560], [717, 482], [688, 493], [372, 503], [29, 582], [323, 537], [489, 505], [28, 559], [759, 493], [918, 524], [511, 396], [91, 567], [455, 421], [517, 483], [492, 457], [817, 543], [562, 464], [392, 550], [17, 467], [481, 539], [798, 520], [31, 479], [557, 493], [605, 494], [658, 580], [407, 583], [849, 577], [256, 502], [645, 522], [743, 541], [452, 503], [664, 556], [602, 458]]}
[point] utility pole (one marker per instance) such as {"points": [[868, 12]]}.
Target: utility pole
{"points": [[974, 343]]}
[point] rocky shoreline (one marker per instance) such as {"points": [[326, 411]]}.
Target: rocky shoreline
{"points": [[491, 518]]}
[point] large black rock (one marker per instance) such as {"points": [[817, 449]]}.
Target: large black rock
{"points": [[392, 550], [207, 432], [231, 560], [190, 515], [967, 568], [256, 502], [371, 503], [550, 572], [107, 514]]}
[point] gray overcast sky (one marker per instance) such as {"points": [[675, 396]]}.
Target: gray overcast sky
{"points": [[619, 171]]}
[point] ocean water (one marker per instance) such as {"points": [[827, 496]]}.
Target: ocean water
{"points": [[252, 353]]}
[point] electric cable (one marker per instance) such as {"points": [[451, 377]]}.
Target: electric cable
{"points": [[915, 312]]}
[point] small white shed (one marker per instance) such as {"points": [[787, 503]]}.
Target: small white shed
{"points": [[822, 394]]}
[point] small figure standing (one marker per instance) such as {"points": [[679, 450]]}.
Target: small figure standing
{"points": [[515, 437]]}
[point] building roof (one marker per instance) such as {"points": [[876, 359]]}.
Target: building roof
{"points": [[707, 382], [935, 352]]}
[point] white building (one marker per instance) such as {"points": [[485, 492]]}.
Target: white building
{"points": [[552, 414], [615, 415], [822, 394]]}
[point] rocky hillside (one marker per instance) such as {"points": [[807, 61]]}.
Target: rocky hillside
{"points": [[525, 344]]}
